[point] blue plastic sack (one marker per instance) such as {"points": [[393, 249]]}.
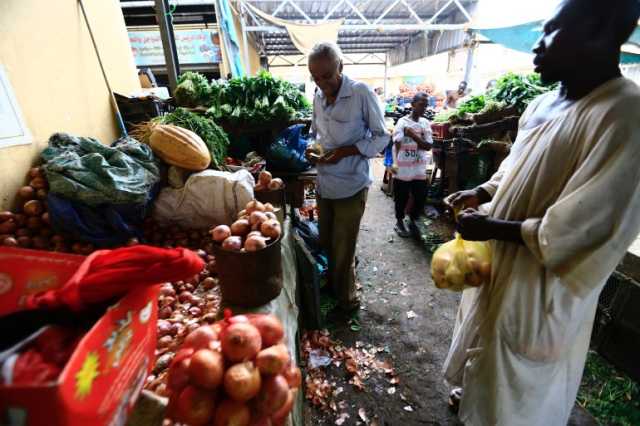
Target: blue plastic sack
{"points": [[286, 154], [294, 139], [103, 226]]}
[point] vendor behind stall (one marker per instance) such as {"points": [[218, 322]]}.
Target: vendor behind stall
{"points": [[411, 142], [455, 96], [348, 124], [564, 208]]}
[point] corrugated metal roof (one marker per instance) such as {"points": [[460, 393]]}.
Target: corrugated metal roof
{"points": [[374, 15]]}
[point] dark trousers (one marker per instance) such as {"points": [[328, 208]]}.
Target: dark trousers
{"points": [[401, 192], [339, 223]]}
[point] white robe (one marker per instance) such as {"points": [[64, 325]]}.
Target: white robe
{"points": [[520, 343]]}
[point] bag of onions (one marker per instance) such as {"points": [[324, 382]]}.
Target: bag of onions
{"points": [[256, 227], [461, 263], [235, 372]]}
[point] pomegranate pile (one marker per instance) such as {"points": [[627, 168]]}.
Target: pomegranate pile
{"points": [[235, 372]]}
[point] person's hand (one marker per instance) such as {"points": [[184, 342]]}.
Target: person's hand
{"points": [[475, 226], [312, 155], [463, 199], [338, 154], [412, 133], [394, 169]]}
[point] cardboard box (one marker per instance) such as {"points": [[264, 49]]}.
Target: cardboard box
{"points": [[104, 376]]}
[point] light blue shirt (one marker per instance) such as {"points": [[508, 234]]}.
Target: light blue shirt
{"points": [[355, 118]]}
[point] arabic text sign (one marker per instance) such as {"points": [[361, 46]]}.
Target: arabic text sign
{"points": [[194, 47]]}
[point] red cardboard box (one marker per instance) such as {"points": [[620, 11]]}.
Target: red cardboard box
{"points": [[104, 376]]}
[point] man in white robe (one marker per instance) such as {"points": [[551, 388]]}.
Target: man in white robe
{"points": [[559, 214]]}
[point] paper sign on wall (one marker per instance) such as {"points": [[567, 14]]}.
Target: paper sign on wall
{"points": [[13, 130], [194, 47]]}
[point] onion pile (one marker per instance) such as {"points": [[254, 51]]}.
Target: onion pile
{"points": [[175, 236], [184, 307], [267, 183], [31, 227], [225, 374], [256, 227]]}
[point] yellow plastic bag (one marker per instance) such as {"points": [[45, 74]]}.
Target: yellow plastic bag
{"points": [[461, 263]]}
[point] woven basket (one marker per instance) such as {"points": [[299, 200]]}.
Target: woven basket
{"points": [[250, 279]]}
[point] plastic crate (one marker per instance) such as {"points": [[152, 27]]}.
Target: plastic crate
{"points": [[140, 110], [309, 280], [476, 168], [616, 331], [440, 130]]}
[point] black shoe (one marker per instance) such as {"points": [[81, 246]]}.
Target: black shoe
{"points": [[413, 228], [401, 230], [344, 314], [454, 400]]}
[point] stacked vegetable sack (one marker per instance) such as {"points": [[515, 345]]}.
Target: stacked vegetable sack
{"points": [[235, 372]]}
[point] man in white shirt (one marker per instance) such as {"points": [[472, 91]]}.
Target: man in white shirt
{"points": [[562, 211]]}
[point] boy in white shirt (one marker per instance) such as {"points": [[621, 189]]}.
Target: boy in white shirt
{"points": [[412, 140]]}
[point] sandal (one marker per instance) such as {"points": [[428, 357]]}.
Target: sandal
{"points": [[454, 400]]}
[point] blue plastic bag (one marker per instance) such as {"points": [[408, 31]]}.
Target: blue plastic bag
{"points": [[286, 154], [294, 139]]}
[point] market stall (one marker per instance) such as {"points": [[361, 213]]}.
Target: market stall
{"points": [[471, 141], [175, 185]]}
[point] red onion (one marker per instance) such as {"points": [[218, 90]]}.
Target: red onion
{"points": [[220, 233], [233, 243]]}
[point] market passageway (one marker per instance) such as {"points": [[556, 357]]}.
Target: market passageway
{"points": [[406, 317], [406, 321]]}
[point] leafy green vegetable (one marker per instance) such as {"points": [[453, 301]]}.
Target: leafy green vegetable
{"points": [[492, 106], [251, 101], [444, 115], [193, 90], [610, 396], [473, 105], [518, 90], [213, 136]]}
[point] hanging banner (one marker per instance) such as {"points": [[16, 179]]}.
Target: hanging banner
{"points": [[194, 47]]}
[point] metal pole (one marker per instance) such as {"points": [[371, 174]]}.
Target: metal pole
{"points": [[470, 51], [165, 22], [112, 99], [386, 66]]}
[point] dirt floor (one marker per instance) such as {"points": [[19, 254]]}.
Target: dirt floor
{"points": [[405, 315]]}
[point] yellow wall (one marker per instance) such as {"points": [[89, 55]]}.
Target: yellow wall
{"points": [[47, 53]]}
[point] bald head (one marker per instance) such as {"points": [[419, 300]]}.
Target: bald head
{"points": [[612, 21], [584, 36]]}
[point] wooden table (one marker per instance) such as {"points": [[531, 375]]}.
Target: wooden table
{"points": [[295, 183]]}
